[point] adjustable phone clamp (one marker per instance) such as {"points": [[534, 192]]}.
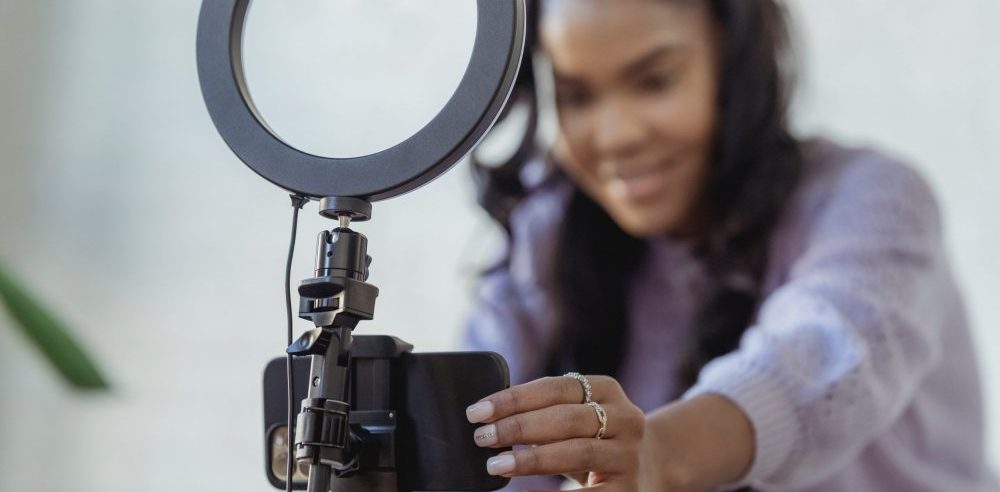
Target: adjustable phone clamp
{"points": [[332, 439]]}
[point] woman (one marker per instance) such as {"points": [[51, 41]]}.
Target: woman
{"points": [[765, 311]]}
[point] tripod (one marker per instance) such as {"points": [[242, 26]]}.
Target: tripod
{"points": [[332, 440]]}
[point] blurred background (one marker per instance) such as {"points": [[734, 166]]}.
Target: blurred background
{"points": [[123, 210]]}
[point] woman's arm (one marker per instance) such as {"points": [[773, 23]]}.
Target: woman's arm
{"points": [[696, 444], [838, 351]]}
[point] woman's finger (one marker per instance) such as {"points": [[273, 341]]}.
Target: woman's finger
{"points": [[603, 487], [541, 393], [580, 478], [556, 423], [606, 456]]}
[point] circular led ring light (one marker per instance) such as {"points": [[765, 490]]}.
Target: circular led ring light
{"points": [[460, 125]]}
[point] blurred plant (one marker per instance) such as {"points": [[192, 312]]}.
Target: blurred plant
{"points": [[50, 336]]}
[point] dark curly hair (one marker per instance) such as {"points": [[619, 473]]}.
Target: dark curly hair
{"points": [[755, 166]]}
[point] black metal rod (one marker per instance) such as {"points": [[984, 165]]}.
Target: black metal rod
{"points": [[319, 478]]}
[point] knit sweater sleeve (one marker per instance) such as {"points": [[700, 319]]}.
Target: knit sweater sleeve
{"points": [[838, 351]]}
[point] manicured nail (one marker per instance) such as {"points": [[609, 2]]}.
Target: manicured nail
{"points": [[479, 412], [500, 465], [486, 435]]}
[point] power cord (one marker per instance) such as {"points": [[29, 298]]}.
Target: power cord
{"points": [[297, 203]]}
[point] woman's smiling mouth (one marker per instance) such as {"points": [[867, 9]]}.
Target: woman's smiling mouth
{"points": [[640, 183]]}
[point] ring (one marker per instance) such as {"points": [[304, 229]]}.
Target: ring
{"points": [[587, 392], [602, 417]]}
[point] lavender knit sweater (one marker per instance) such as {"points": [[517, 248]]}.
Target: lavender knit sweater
{"points": [[858, 372]]}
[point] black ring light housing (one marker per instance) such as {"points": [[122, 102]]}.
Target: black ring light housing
{"points": [[456, 129]]}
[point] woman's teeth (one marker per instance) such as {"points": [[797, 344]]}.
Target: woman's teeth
{"points": [[638, 184]]}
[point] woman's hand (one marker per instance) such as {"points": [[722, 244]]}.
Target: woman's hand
{"points": [[550, 415], [691, 445]]}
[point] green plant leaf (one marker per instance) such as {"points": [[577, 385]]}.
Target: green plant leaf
{"points": [[50, 336]]}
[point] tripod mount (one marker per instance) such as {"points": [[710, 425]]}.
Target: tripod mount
{"points": [[336, 299]]}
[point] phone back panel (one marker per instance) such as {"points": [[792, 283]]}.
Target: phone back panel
{"points": [[436, 451], [429, 393]]}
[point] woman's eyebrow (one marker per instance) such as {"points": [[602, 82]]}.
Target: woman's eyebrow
{"points": [[652, 56], [631, 67]]}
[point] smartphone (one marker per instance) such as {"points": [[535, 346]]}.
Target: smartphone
{"points": [[425, 394]]}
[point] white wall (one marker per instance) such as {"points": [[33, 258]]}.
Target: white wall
{"points": [[123, 208]]}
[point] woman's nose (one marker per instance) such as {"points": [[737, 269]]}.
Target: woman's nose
{"points": [[618, 128]]}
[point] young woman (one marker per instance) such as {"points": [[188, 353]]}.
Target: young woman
{"points": [[751, 309]]}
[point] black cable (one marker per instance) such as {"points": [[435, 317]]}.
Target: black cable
{"points": [[297, 203]]}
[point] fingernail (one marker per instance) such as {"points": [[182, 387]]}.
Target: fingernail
{"points": [[479, 412], [500, 465], [486, 435]]}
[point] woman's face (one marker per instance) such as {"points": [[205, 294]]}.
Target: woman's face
{"points": [[636, 92]]}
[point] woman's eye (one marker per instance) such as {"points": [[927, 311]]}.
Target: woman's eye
{"points": [[573, 98], [656, 83]]}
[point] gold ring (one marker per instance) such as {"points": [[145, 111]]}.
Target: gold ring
{"points": [[602, 417]]}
